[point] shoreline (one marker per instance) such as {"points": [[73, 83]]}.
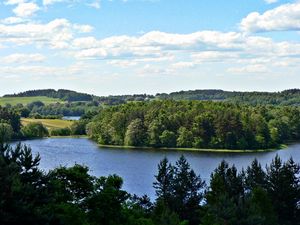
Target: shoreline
{"points": [[207, 150]]}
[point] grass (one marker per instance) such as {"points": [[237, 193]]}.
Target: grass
{"points": [[26, 100], [50, 124]]}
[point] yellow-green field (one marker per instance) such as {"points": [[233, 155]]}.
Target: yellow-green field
{"points": [[26, 100], [50, 124]]}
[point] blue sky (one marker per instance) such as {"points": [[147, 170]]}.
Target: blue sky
{"points": [[110, 47]]}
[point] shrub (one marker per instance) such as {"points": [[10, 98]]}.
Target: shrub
{"points": [[35, 129], [61, 132]]}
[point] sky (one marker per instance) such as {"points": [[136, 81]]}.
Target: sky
{"points": [[113, 47]]}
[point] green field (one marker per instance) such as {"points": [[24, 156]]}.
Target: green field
{"points": [[50, 124], [26, 100]]}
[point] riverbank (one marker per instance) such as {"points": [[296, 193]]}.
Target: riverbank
{"points": [[282, 146]]}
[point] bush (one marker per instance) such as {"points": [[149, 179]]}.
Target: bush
{"points": [[61, 132], [79, 127], [6, 132], [35, 129]]}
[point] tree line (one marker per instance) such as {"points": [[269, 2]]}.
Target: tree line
{"points": [[70, 196], [66, 95], [195, 124], [289, 97]]}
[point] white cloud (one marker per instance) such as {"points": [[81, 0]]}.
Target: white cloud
{"points": [[85, 42], [95, 4], [156, 44], [167, 52], [271, 1], [51, 2], [23, 58], [26, 9], [40, 70], [122, 63], [283, 18], [183, 65], [214, 56], [12, 20], [255, 68], [13, 2], [56, 34], [91, 3], [83, 28]]}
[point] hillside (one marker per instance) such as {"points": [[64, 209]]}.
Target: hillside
{"points": [[13, 101], [50, 124], [287, 97], [65, 95]]}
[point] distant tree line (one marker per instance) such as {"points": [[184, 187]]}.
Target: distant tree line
{"points": [[66, 95], [284, 98], [195, 124], [71, 196], [39, 110], [289, 97]]}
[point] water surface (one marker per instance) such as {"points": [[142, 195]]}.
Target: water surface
{"points": [[71, 118], [138, 167]]}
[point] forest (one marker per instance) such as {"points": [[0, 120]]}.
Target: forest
{"points": [[167, 123], [70, 196], [78, 104], [289, 97], [284, 98], [196, 124], [66, 95]]}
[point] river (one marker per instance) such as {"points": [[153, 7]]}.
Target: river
{"points": [[137, 167]]}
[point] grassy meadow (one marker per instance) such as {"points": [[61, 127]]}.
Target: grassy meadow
{"points": [[50, 124], [26, 100]]}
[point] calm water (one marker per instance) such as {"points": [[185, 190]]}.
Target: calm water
{"points": [[138, 167], [71, 118]]}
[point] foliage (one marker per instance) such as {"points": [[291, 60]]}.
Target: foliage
{"points": [[15, 101], [194, 124], [68, 196], [6, 132], [61, 132], [79, 127], [62, 94], [284, 98], [11, 117], [34, 130]]}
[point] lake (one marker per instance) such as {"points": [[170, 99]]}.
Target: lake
{"points": [[71, 118], [138, 167]]}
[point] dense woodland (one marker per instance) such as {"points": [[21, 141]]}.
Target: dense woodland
{"points": [[171, 123], [195, 124], [70, 196]]}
